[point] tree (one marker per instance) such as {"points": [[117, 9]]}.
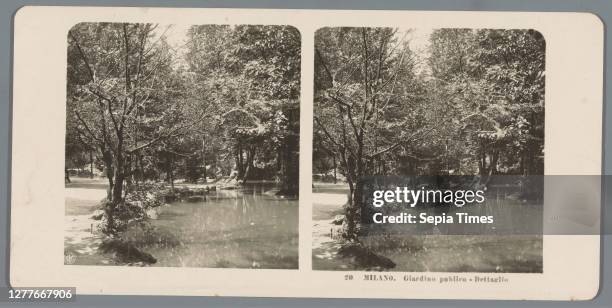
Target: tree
{"points": [[366, 95], [494, 81], [476, 102], [251, 74], [122, 92]]}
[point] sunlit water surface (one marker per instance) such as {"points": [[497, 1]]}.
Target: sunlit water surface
{"points": [[512, 244], [246, 228]]}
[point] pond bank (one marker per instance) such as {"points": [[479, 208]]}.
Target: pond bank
{"points": [[424, 253], [247, 227]]}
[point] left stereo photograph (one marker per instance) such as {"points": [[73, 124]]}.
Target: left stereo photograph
{"points": [[182, 145]]}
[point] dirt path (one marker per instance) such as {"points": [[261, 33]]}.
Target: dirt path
{"points": [[324, 244], [81, 239]]}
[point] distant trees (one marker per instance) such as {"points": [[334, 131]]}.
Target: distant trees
{"points": [[146, 111], [252, 73], [476, 106], [493, 81]]}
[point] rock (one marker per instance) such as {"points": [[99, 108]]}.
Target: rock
{"points": [[152, 213], [230, 184], [125, 252], [211, 188], [364, 257], [97, 215], [338, 220], [271, 192]]}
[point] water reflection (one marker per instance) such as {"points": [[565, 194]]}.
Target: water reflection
{"points": [[243, 228], [513, 244]]}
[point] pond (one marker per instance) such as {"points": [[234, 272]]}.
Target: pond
{"points": [[515, 245], [248, 227]]}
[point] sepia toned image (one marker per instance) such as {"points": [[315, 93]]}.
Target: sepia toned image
{"points": [[261, 153], [182, 145], [462, 105]]}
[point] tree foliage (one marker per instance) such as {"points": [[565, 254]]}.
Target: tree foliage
{"points": [[475, 106], [223, 105]]}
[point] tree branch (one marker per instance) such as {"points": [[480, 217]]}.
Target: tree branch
{"points": [[78, 115], [83, 56], [402, 142]]}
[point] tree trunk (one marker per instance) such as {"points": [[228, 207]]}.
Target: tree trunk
{"points": [[353, 211], [171, 171], [335, 168], [91, 165], [239, 161], [127, 172], [249, 163], [204, 173], [483, 162], [355, 204], [109, 207], [108, 165], [493, 165], [119, 178]]}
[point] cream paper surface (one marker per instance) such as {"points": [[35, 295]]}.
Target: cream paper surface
{"points": [[574, 95]]}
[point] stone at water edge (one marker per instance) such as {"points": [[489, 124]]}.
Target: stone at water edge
{"points": [[152, 213], [97, 215], [338, 220]]}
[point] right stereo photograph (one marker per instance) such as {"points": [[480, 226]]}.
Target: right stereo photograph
{"points": [[411, 114]]}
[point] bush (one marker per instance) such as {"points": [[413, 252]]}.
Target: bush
{"points": [[117, 217], [132, 209], [146, 195]]}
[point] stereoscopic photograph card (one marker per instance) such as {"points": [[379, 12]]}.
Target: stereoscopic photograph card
{"points": [[307, 153]]}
